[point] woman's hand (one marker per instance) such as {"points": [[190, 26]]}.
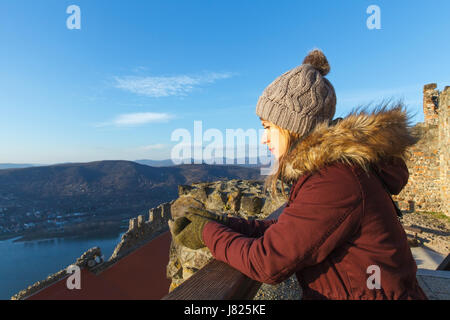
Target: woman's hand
{"points": [[188, 230], [223, 219]]}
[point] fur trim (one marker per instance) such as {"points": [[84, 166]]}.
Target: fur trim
{"points": [[359, 138]]}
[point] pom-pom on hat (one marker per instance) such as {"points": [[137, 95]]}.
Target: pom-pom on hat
{"points": [[301, 98]]}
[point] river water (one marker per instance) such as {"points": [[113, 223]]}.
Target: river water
{"points": [[24, 263]]}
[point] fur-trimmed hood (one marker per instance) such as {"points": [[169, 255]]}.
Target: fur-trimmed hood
{"points": [[360, 138]]}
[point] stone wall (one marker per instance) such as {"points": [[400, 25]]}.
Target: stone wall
{"points": [[141, 231], [444, 141], [427, 188]]}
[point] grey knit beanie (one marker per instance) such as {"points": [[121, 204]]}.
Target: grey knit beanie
{"points": [[300, 98]]}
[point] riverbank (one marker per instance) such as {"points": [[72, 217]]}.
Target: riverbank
{"points": [[9, 236], [103, 229]]}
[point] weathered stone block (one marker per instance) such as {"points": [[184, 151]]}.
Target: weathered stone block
{"points": [[251, 205], [430, 86], [216, 201], [184, 189], [234, 200], [199, 194]]}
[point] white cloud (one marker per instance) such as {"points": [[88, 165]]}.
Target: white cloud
{"points": [[134, 119], [166, 86]]}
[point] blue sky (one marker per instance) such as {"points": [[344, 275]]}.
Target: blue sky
{"points": [[137, 70]]}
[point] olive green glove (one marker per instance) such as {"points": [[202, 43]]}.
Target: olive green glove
{"points": [[178, 225], [223, 219], [188, 231]]}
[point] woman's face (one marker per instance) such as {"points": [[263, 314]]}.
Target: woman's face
{"points": [[274, 139]]}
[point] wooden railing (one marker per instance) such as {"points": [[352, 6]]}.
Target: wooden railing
{"points": [[218, 281]]}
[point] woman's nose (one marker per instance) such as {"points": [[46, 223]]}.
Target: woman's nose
{"points": [[264, 138]]}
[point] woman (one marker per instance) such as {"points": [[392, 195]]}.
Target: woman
{"points": [[339, 232]]}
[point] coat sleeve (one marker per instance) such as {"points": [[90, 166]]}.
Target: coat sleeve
{"points": [[250, 228], [323, 215]]}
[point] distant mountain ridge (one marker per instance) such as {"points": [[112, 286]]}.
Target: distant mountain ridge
{"points": [[156, 163], [244, 162], [107, 185], [15, 165]]}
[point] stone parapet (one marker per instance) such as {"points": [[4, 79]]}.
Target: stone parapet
{"points": [[141, 231]]}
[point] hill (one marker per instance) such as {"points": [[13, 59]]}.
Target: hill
{"points": [[103, 188]]}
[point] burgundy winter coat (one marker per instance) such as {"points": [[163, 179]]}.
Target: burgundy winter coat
{"points": [[339, 224]]}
